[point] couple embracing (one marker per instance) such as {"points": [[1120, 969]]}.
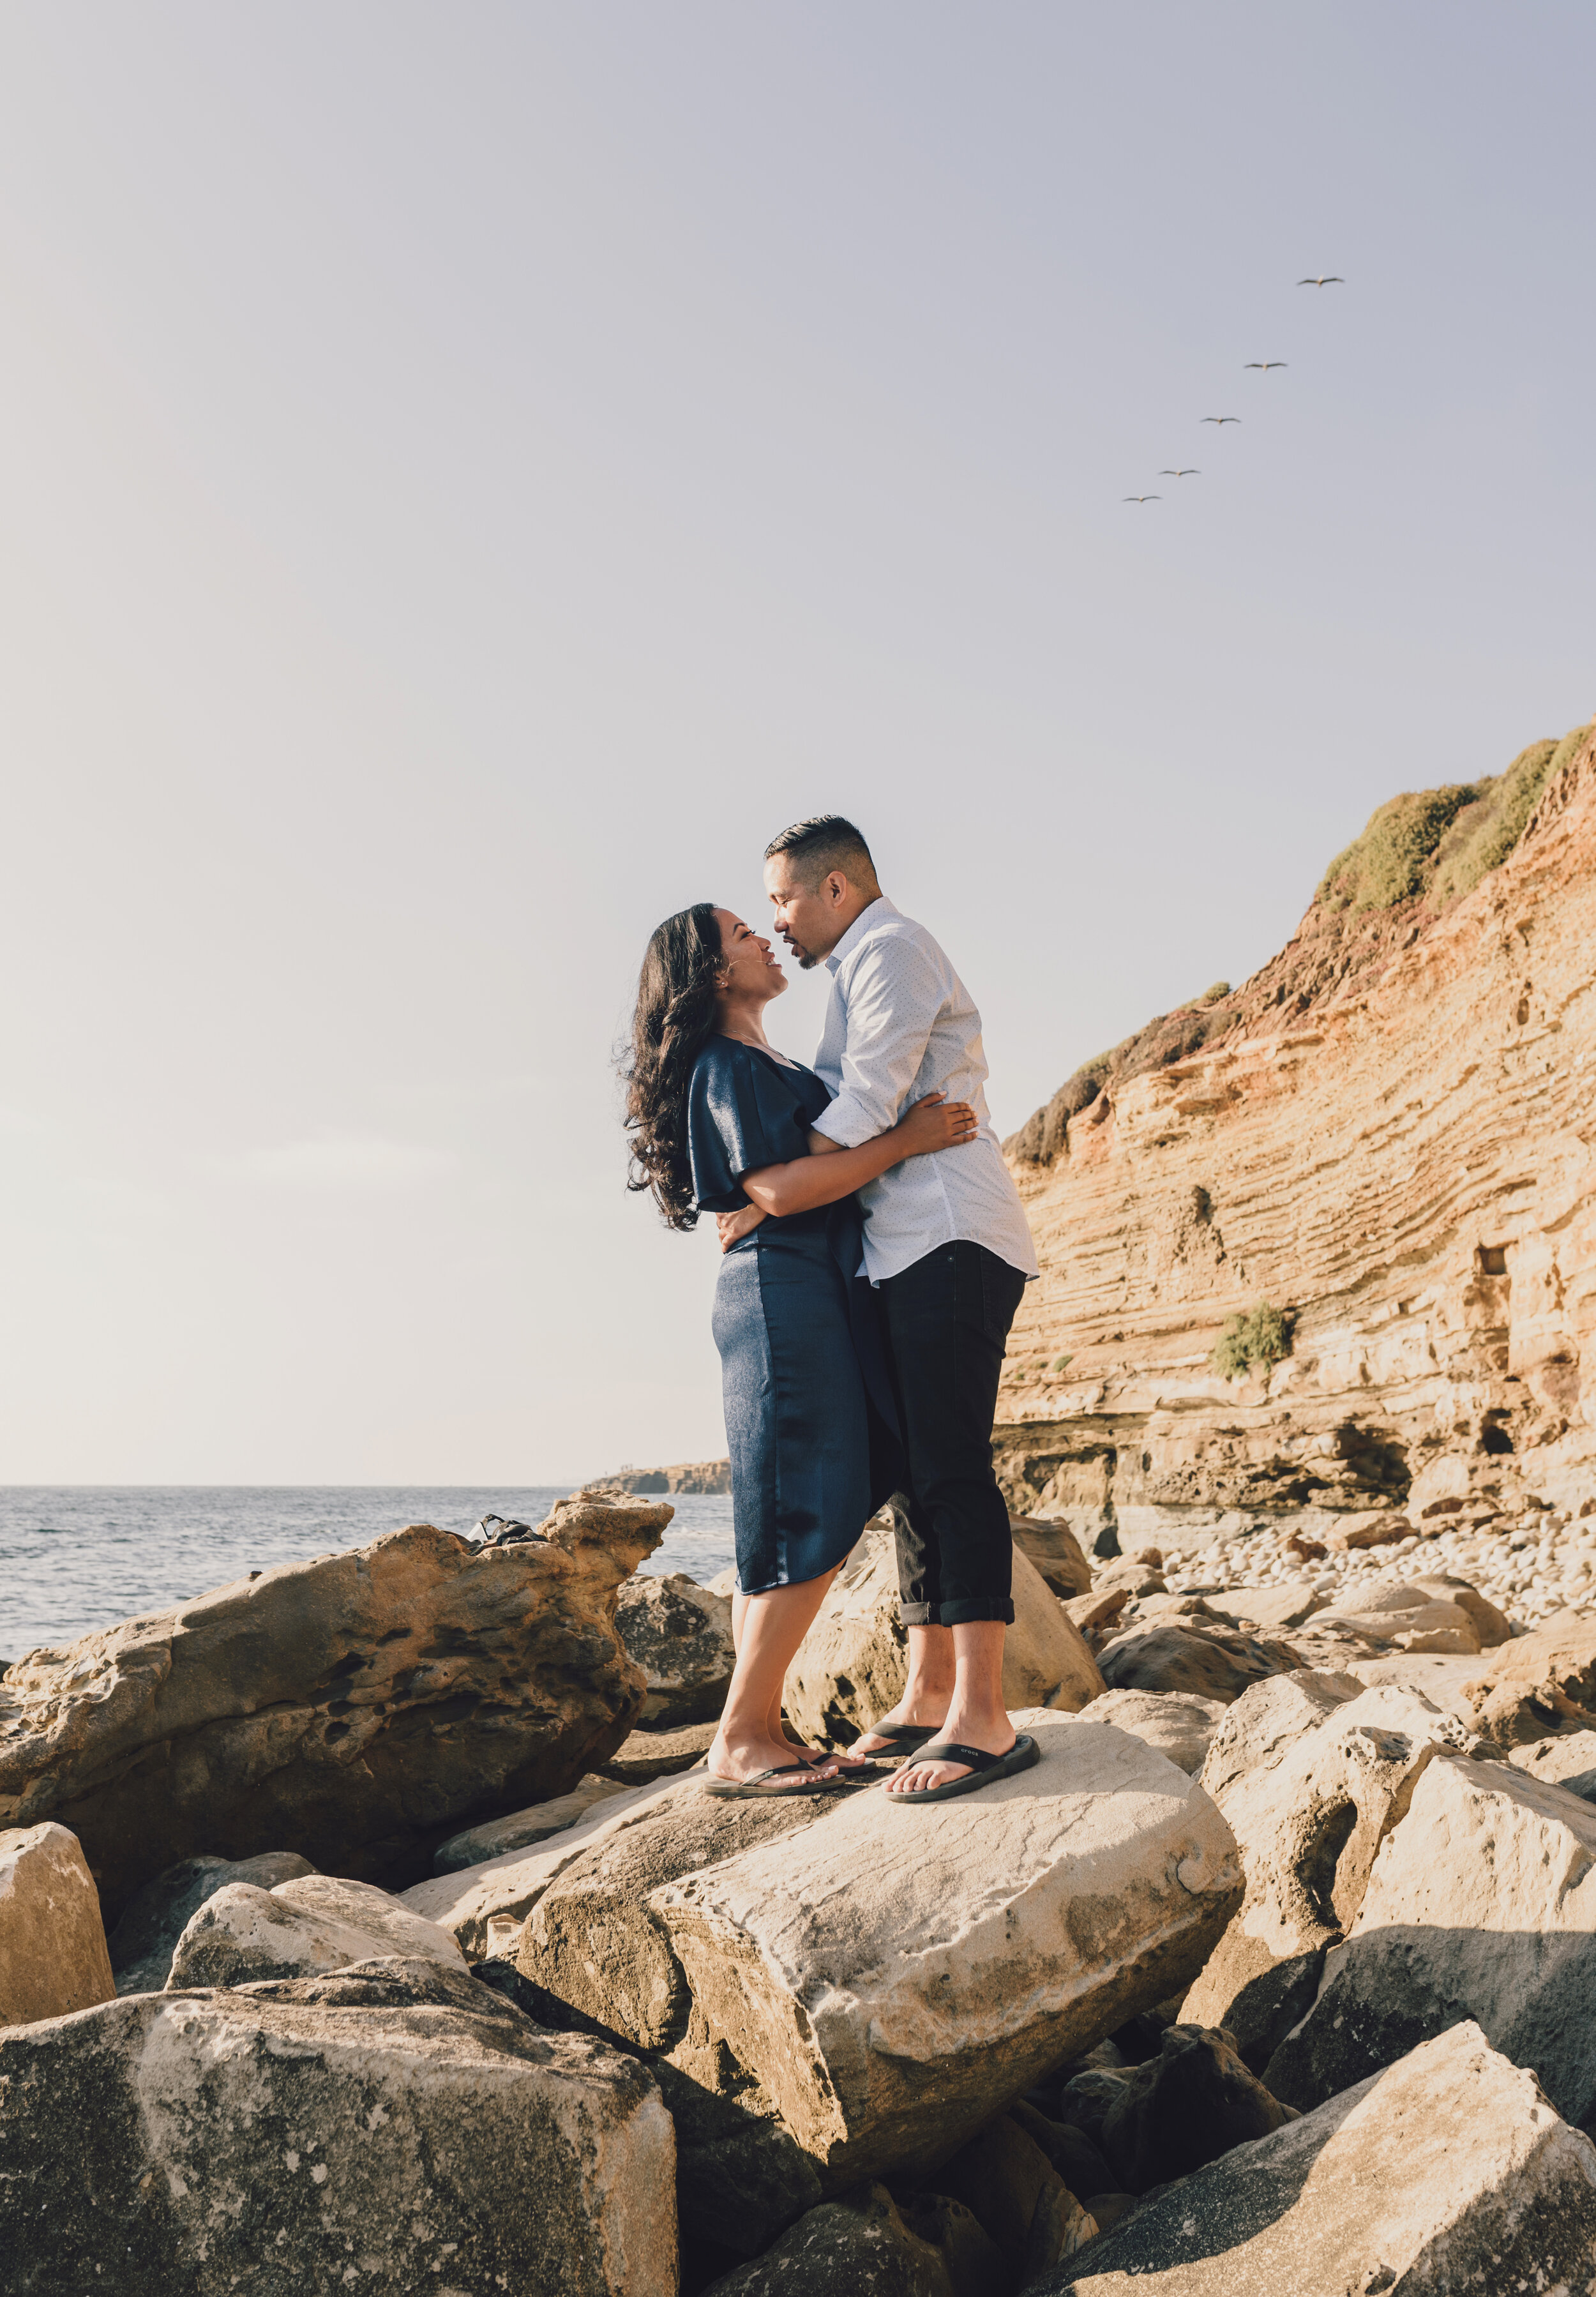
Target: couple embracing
{"points": [[874, 1251]]}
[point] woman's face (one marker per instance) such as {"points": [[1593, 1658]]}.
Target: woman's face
{"points": [[747, 959]]}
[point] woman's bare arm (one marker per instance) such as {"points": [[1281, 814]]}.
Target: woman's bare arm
{"points": [[807, 1182]]}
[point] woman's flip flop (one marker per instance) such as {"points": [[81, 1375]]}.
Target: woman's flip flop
{"points": [[983, 1768], [753, 1789]]}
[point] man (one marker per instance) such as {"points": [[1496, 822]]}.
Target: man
{"points": [[948, 1250]]}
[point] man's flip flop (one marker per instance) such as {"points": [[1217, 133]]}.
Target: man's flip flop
{"points": [[983, 1768], [899, 1735], [753, 1789]]}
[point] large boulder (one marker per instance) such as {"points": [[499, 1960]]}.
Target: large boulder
{"points": [[894, 1977], [1568, 1763], [1055, 1551], [53, 1952], [1178, 1724], [680, 1634], [358, 1709], [1266, 1720], [1185, 2107], [299, 1930], [854, 1662], [392, 2128], [1192, 1654], [1310, 1822], [1448, 2172], [1538, 1684], [156, 1916], [521, 1829], [1481, 1905]]}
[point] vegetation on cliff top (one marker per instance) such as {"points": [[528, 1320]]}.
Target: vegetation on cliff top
{"points": [[1427, 847]]}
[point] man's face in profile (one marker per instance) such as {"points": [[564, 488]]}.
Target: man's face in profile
{"points": [[806, 915]]}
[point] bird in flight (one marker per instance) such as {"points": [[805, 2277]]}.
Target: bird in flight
{"points": [[1221, 418], [1141, 498], [1325, 279], [1190, 472], [1264, 365]]}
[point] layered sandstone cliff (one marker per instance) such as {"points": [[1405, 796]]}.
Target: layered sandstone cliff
{"points": [[1390, 1134]]}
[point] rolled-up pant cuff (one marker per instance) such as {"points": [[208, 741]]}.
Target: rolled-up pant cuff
{"points": [[957, 1615]]}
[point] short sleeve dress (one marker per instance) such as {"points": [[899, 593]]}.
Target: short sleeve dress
{"points": [[810, 1423]]}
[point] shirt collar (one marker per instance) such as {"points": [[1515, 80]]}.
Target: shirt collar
{"points": [[867, 919]]}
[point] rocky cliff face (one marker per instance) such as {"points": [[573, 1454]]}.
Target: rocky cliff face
{"points": [[1388, 1134]]}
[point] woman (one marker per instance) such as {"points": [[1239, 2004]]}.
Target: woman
{"points": [[719, 1122]]}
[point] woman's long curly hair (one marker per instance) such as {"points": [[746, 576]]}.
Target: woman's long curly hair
{"points": [[674, 1019]]}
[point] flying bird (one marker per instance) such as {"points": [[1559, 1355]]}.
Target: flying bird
{"points": [[1190, 472], [1264, 365], [1221, 418], [1141, 498], [1325, 279]]}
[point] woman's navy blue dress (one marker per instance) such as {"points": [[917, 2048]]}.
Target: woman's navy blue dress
{"points": [[808, 1411]]}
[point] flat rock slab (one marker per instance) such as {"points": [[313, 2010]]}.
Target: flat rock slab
{"points": [[53, 1952], [319, 1923], [520, 1829], [896, 1977], [392, 2129], [357, 1709], [1481, 1905], [1449, 2172]]}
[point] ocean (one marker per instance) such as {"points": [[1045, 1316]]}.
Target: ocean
{"points": [[76, 1558]]}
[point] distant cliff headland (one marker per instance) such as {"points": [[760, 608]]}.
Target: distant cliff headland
{"points": [[688, 1477], [1329, 1238]]}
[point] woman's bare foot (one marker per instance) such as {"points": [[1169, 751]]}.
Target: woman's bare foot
{"points": [[744, 1758]]}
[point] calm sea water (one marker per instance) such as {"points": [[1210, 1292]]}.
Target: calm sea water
{"points": [[74, 1559]]}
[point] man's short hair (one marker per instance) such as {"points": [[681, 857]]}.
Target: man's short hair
{"points": [[824, 842]]}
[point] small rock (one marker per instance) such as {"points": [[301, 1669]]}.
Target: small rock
{"points": [[1186, 2107], [319, 1923], [1212, 1666], [1267, 1608], [1056, 1551], [680, 1634], [1095, 1614], [1378, 1528], [53, 1952], [519, 1830]]}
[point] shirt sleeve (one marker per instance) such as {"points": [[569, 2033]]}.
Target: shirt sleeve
{"points": [[892, 1003], [738, 1121]]}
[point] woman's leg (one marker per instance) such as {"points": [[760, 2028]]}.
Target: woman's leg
{"points": [[767, 1630]]}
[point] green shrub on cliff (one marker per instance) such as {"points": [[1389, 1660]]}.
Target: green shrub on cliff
{"points": [[1253, 1343]]}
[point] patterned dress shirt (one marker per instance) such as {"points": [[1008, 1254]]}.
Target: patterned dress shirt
{"points": [[901, 1023]]}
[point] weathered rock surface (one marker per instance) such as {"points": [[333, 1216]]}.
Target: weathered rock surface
{"points": [[1448, 2172], [894, 1984], [1539, 1683], [1184, 2108], [1481, 1906], [301, 1929], [1310, 1824], [155, 1917], [523, 1828], [53, 1952], [1396, 1073], [1267, 1719], [1056, 1551], [659, 1754], [357, 2130], [857, 2246], [680, 1634], [1178, 1724], [358, 1709], [1204, 1660], [853, 1664], [1568, 1763], [1009, 2186]]}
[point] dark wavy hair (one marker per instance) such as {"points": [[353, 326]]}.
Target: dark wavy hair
{"points": [[674, 1017]]}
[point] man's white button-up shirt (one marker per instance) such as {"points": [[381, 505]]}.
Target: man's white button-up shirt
{"points": [[901, 1023]]}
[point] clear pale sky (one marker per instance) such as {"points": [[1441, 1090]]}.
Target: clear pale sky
{"points": [[471, 475]]}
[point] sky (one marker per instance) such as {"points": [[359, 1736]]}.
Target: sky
{"points": [[470, 475]]}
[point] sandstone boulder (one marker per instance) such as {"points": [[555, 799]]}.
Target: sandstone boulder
{"points": [[155, 1917], [1267, 1610], [53, 1952], [1481, 1906], [1185, 2107], [393, 2127], [854, 1662], [680, 1634], [1568, 1762], [1540, 1684], [1206, 1661], [659, 1754], [1267, 1719], [1448, 2172], [1095, 1614], [318, 1923], [1411, 1618], [358, 1709], [893, 1983], [523, 1828], [1055, 1551], [1177, 1723], [1310, 1824]]}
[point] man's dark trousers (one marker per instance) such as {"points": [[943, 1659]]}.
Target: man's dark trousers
{"points": [[946, 1321]]}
